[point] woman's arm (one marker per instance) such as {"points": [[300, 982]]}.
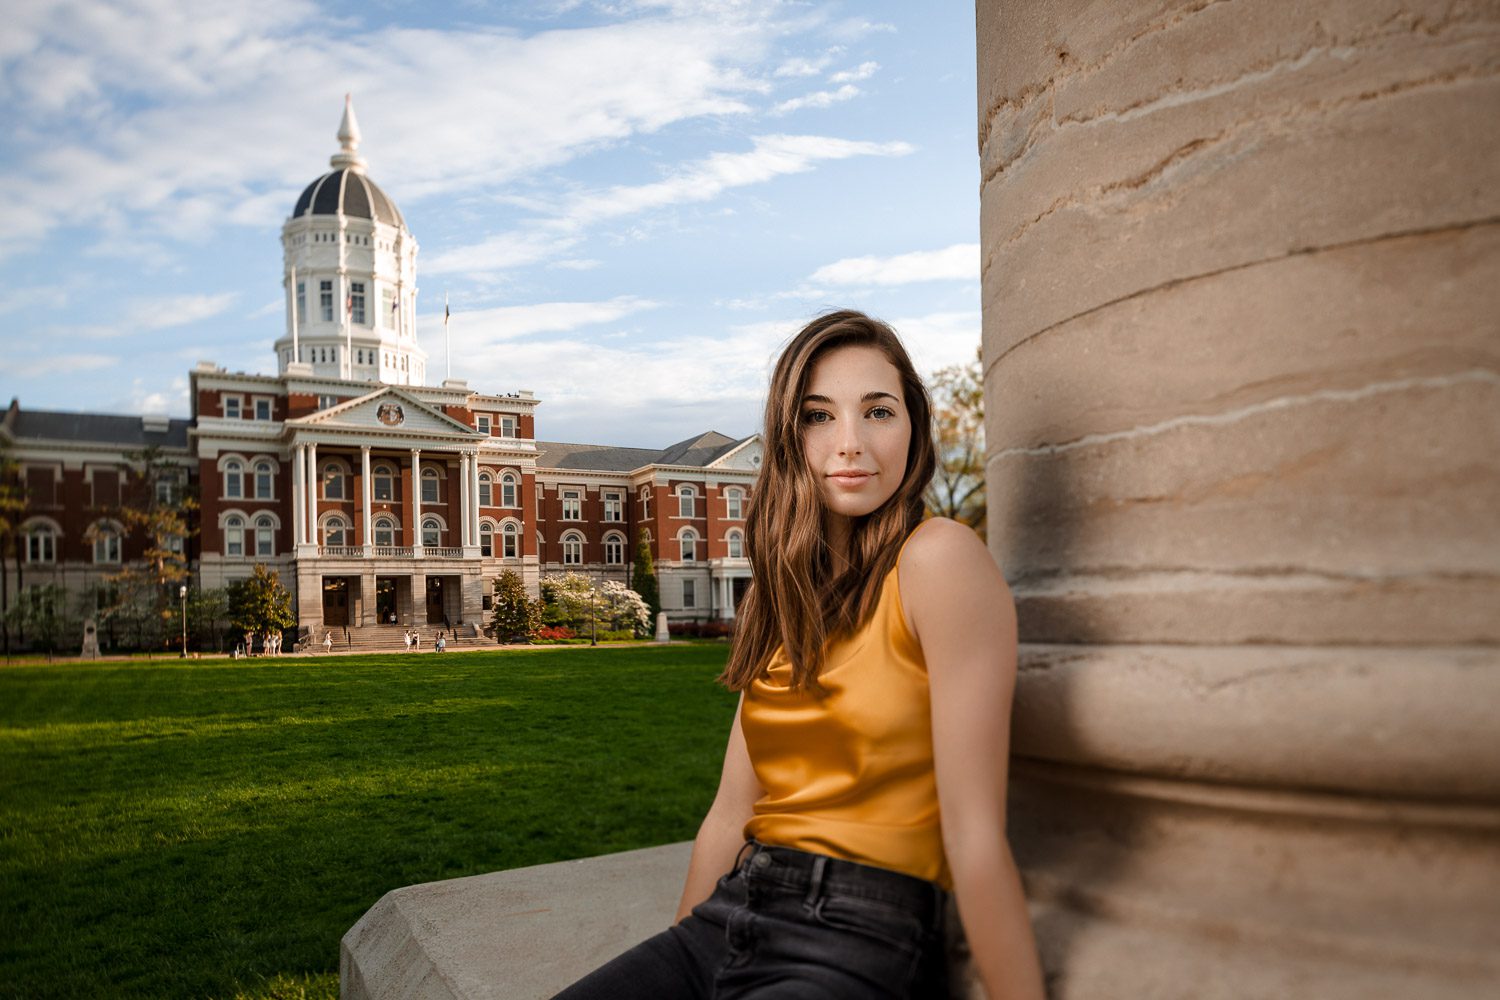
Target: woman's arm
{"points": [[723, 831], [962, 614]]}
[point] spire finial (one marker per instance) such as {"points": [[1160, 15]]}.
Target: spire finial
{"points": [[348, 154]]}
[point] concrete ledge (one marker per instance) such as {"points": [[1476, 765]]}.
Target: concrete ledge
{"points": [[513, 935]]}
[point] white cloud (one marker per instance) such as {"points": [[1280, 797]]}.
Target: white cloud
{"points": [[959, 262], [817, 99], [59, 364], [164, 311], [178, 123], [863, 71], [939, 339], [480, 329], [803, 66]]}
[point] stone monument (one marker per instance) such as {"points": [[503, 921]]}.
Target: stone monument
{"points": [[663, 634], [90, 649]]}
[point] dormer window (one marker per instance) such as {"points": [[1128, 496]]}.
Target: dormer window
{"points": [[262, 409], [482, 422], [507, 425], [232, 407]]}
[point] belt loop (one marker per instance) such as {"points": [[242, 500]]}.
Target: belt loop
{"points": [[739, 858], [815, 883]]}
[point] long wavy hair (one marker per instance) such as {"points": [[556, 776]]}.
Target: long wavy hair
{"points": [[797, 601]]}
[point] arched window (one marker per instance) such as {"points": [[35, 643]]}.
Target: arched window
{"points": [[265, 536], [572, 545], [429, 485], [234, 537], [41, 544], [432, 532], [335, 531], [486, 490], [686, 501], [333, 482], [263, 479], [614, 549], [384, 531], [736, 545], [735, 500], [106, 544], [385, 488], [645, 503], [486, 539], [234, 480], [510, 540], [688, 540], [508, 491]]}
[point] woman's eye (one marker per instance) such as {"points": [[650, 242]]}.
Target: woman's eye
{"points": [[816, 417], [882, 413]]}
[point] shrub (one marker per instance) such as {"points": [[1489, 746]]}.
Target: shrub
{"points": [[702, 629], [553, 633]]}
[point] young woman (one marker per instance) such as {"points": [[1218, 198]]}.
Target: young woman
{"points": [[864, 779]]}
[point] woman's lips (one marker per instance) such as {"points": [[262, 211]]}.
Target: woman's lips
{"points": [[850, 478]]}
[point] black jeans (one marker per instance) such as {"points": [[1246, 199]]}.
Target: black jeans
{"points": [[790, 924]]}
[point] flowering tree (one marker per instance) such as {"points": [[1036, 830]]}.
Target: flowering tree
{"points": [[625, 609], [575, 601]]}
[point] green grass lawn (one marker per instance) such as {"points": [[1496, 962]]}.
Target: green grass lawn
{"points": [[212, 828]]}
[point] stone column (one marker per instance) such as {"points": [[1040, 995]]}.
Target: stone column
{"points": [[1242, 380], [474, 499], [312, 498], [416, 503], [463, 499], [366, 500], [299, 498]]}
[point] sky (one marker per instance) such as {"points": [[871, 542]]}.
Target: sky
{"points": [[630, 205]]}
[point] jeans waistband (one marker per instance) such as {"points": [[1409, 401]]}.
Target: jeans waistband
{"points": [[816, 874]]}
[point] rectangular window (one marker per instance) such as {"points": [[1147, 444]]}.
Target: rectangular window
{"points": [[689, 593], [685, 503], [614, 506], [429, 489], [736, 505], [325, 300], [388, 308], [482, 422], [507, 425], [572, 505], [357, 302], [232, 407], [327, 402], [166, 491], [301, 302], [262, 409]]}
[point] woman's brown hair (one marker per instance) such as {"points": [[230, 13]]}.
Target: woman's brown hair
{"points": [[796, 600]]}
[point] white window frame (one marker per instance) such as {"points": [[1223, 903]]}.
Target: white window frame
{"points": [[734, 504], [614, 549], [689, 495], [259, 403], [645, 503], [687, 542], [433, 524], [234, 479], [41, 542], [572, 503], [336, 523], [384, 472], [383, 524], [614, 506], [689, 593], [265, 489], [486, 539], [265, 536], [506, 423], [510, 488], [572, 548], [334, 474], [430, 475], [510, 540], [234, 536], [486, 490], [735, 544], [482, 422], [232, 407]]}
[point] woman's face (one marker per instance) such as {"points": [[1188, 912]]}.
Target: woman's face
{"points": [[855, 431]]}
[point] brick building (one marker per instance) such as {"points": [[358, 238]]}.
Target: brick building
{"points": [[372, 494]]}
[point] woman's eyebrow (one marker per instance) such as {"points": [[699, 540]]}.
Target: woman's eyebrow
{"points": [[876, 394]]}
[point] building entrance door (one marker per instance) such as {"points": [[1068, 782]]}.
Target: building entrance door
{"points": [[385, 600], [737, 587], [335, 600], [434, 600]]}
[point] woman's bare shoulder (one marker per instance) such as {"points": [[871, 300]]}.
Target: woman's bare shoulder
{"points": [[946, 561], [939, 539]]}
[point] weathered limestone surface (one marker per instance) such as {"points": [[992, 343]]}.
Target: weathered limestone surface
{"points": [[1242, 361], [516, 935]]}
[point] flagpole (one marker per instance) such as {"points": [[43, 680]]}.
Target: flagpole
{"points": [[348, 330], [447, 338]]}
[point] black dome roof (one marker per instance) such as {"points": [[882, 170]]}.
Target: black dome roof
{"points": [[351, 193]]}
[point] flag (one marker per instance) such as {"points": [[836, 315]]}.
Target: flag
{"points": [[349, 303], [445, 310]]}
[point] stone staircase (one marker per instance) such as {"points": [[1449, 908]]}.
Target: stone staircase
{"points": [[388, 638]]}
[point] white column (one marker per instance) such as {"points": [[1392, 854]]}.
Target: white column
{"points": [[299, 498], [416, 503], [463, 498], [312, 492], [474, 497], [366, 497]]}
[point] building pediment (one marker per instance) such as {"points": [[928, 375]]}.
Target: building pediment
{"points": [[388, 410], [743, 457]]}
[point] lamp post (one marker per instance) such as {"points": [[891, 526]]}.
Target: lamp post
{"points": [[182, 594]]}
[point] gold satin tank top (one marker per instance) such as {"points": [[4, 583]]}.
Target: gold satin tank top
{"points": [[850, 775]]}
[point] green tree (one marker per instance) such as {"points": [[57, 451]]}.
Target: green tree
{"points": [[516, 614], [208, 614], [12, 507], [158, 510], [957, 489], [643, 576], [43, 613], [569, 599], [260, 604], [624, 609]]}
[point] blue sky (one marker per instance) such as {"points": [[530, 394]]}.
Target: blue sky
{"points": [[629, 204]]}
